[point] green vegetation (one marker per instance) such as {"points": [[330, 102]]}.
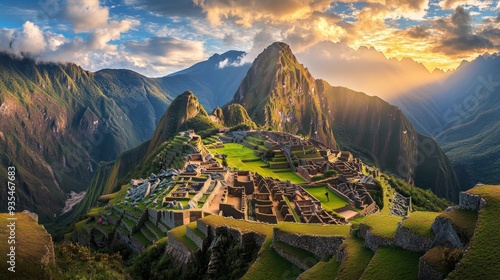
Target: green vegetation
{"points": [[463, 221], [383, 226], [217, 221], [292, 209], [31, 239], [180, 234], [420, 223], [334, 202], [238, 153], [356, 259], [314, 229], [75, 261], [322, 270], [422, 200], [442, 259], [270, 265], [304, 256], [481, 260], [392, 263]]}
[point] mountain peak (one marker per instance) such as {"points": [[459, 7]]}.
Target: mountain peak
{"points": [[181, 111]]}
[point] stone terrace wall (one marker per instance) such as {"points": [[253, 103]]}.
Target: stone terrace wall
{"points": [[373, 242], [321, 246], [470, 201], [411, 241], [178, 250]]}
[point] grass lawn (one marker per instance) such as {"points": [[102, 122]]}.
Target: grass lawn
{"points": [[242, 225], [314, 229], [383, 226], [387, 194], [420, 223], [392, 263], [304, 256], [482, 258], [270, 265], [356, 259], [322, 270], [237, 152], [295, 216], [335, 200], [180, 233], [31, 240]]}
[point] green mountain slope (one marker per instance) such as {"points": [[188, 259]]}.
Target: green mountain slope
{"points": [[58, 121], [278, 92]]}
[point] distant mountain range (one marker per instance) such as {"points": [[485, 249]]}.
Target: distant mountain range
{"points": [[462, 113]]}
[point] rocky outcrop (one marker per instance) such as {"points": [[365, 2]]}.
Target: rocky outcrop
{"points": [[445, 233]]}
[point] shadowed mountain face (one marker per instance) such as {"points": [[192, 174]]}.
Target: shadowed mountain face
{"points": [[462, 113], [279, 93], [58, 121]]}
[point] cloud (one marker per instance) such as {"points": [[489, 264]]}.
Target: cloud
{"points": [[168, 8], [246, 12], [99, 38], [459, 36], [452, 4], [85, 15], [28, 40], [166, 51]]}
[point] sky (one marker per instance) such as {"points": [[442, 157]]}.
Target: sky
{"points": [[158, 37]]}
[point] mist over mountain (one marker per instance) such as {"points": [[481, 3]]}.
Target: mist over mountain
{"points": [[462, 114], [280, 94]]}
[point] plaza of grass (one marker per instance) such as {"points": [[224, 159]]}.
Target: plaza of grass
{"points": [[243, 158]]}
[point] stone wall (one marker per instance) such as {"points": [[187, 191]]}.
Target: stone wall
{"points": [[427, 272], [293, 259], [373, 242], [470, 201], [194, 237], [411, 241], [177, 250], [321, 246]]}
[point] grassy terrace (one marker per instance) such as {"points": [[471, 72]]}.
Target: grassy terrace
{"points": [[295, 216], [481, 261], [299, 253], [335, 200], [270, 265], [217, 221], [194, 228], [141, 238], [356, 259], [463, 221], [392, 263], [180, 234], [31, 240], [383, 226], [420, 223], [314, 229], [322, 270], [238, 152]]}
